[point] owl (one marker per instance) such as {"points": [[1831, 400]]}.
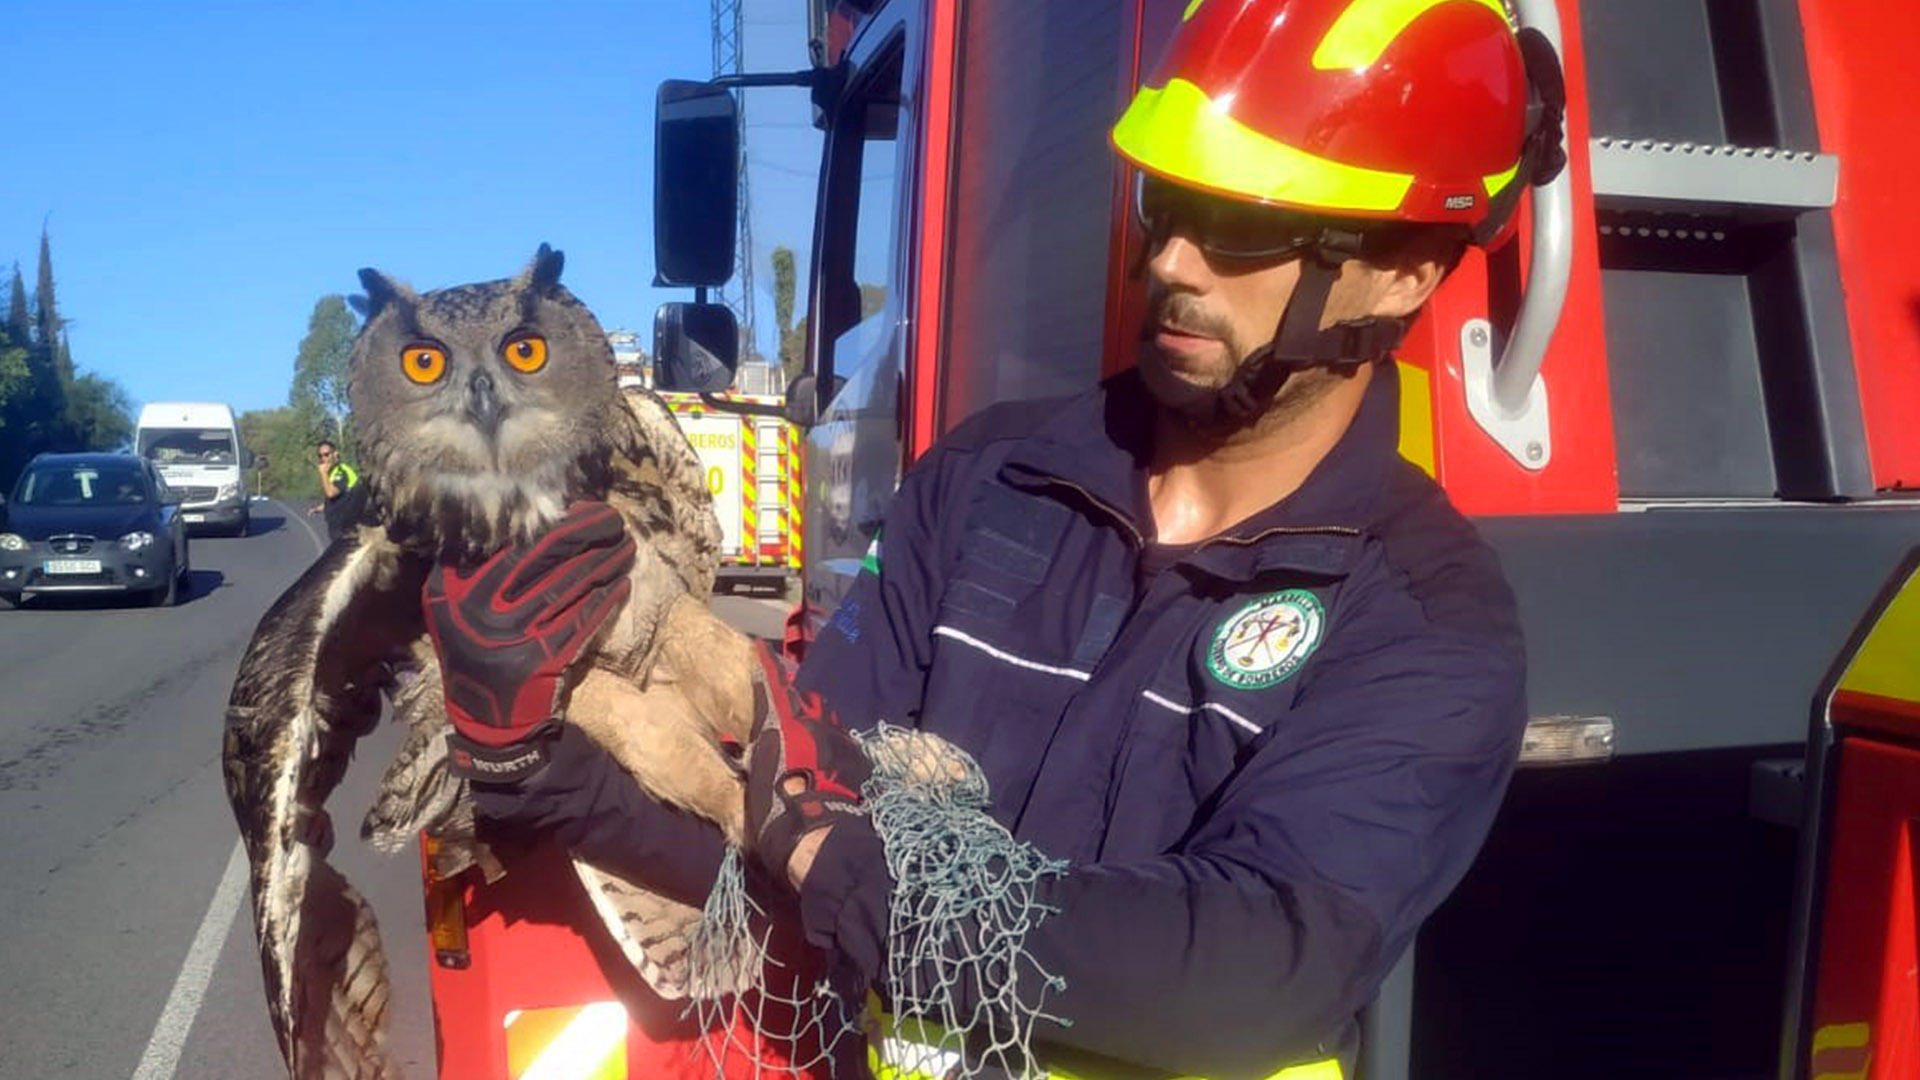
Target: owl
{"points": [[485, 410]]}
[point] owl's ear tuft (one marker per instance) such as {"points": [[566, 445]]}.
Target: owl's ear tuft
{"points": [[381, 291], [543, 273]]}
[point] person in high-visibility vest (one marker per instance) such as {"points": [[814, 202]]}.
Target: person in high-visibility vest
{"points": [[1212, 642], [339, 489]]}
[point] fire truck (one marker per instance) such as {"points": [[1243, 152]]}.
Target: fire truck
{"points": [[1674, 405], [752, 466]]}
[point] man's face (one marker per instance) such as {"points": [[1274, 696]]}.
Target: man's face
{"points": [[1206, 313], [1205, 316], [327, 455]]}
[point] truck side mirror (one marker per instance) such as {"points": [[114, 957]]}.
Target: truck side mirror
{"points": [[696, 180], [696, 348], [247, 459]]}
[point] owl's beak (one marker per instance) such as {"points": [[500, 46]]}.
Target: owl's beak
{"points": [[482, 405]]}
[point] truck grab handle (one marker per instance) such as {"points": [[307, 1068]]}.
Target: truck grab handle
{"points": [[1552, 264]]}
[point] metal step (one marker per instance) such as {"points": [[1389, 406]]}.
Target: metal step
{"points": [[1648, 175], [1567, 740]]}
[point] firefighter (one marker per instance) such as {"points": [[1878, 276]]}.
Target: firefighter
{"points": [[1210, 640]]}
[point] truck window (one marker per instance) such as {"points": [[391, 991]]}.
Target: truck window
{"points": [[1030, 195], [856, 299]]}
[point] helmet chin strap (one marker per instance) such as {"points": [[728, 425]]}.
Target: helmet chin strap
{"points": [[1298, 343]]}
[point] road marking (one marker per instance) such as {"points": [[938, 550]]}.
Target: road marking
{"points": [[301, 517], [162, 1055]]}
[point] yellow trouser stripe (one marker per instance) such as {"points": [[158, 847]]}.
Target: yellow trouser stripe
{"points": [[913, 1051]]}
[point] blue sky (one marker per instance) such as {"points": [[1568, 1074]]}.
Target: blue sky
{"points": [[208, 170]]}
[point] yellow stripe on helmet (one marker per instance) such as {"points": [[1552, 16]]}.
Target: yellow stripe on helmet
{"points": [[1367, 27], [1179, 132], [1192, 6], [1498, 181]]}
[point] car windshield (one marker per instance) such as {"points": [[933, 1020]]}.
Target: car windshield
{"points": [[81, 485], [188, 446]]}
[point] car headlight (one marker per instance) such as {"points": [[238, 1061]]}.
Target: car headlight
{"points": [[134, 541], [12, 542], [228, 491]]}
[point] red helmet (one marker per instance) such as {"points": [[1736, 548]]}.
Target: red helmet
{"points": [[1407, 110]]}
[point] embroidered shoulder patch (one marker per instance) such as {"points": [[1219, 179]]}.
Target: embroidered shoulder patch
{"points": [[1264, 643]]}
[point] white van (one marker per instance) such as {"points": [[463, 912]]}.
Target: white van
{"points": [[196, 446]]}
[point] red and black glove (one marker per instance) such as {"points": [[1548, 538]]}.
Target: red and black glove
{"points": [[507, 630], [804, 771]]}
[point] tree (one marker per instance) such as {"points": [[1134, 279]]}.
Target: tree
{"points": [[319, 393], [793, 339], [783, 287], [63, 367], [14, 376], [100, 413], [282, 445], [50, 326], [46, 312], [47, 425], [19, 324]]}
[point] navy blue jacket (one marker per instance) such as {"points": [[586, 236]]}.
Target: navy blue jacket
{"points": [[1267, 756]]}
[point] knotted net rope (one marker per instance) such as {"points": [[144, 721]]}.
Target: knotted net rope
{"points": [[961, 982]]}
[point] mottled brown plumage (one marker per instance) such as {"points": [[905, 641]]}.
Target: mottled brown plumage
{"points": [[663, 684]]}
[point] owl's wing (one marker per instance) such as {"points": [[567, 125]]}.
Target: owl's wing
{"points": [[308, 688], [656, 468]]}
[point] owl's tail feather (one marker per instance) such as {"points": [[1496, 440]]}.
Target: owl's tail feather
{"points": [[344, 989]]}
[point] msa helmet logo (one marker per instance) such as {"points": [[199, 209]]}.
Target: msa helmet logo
{"points": [[1460, 202]]}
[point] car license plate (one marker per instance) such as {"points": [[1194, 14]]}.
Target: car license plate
{"points": [[73, 566], [193, 519]]}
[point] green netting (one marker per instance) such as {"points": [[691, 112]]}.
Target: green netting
{"points": [[958, 970]]}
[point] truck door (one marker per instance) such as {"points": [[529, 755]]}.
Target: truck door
{"points": [[858, 308]]}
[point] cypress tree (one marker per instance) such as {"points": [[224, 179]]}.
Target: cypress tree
{"points": [[48, 323], [19, 324], [51, 427], [53, 328]]}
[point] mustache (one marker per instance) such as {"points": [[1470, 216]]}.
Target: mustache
{"points": [[1184, 314]]}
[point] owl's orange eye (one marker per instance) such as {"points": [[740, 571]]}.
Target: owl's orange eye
{"points": [[526, 354], [423, 363]]}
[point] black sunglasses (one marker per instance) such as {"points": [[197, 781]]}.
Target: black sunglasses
{"points": [[1237, 229]]}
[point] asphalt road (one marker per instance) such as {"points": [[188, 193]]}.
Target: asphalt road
{"points": [[126, 941]]}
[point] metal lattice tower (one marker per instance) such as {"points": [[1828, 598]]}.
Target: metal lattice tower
{"points": [[728, 57]]}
